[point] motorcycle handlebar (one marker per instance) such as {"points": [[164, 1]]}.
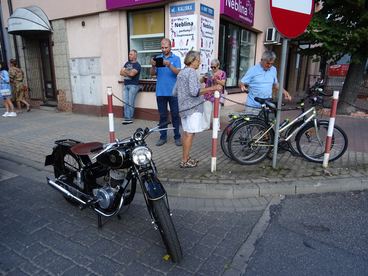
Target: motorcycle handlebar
{"points": [[138, 135]]}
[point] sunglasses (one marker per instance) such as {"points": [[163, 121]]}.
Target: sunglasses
{"points": [[213, 67]]}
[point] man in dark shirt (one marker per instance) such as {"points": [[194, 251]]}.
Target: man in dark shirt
{"points": [[130, 72]]}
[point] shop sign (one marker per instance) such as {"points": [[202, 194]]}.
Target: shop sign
{"points": [[183, 29], [239, 10], [114, 4], [207, 36], [338, 70]]}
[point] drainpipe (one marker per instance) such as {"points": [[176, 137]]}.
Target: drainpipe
{"points": [[10, 5]]}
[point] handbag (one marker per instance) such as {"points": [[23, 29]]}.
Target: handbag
{"points": [[5, 92]]}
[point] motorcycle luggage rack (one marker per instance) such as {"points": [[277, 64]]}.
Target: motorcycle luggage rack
{"points": [[67, 142]]}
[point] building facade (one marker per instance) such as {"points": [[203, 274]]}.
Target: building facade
{"points": [[71, 62]]}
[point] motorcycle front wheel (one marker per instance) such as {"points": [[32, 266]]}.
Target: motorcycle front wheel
{"points": [[167, 230]]}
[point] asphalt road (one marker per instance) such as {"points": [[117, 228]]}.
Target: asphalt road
{"points": [[315, 235], [42, 234]]}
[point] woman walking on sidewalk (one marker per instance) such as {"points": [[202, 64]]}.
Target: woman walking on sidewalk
{"points": [[16, 76], [5, 91]]}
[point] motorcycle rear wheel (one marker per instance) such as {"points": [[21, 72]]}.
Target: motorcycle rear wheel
{"points": [[167, 230], [68, 164]]}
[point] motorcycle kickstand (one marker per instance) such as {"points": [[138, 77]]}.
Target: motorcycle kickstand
{"points": [[99, 221]]}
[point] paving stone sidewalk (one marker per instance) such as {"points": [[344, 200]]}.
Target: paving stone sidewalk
{"points": [[31, 136]]}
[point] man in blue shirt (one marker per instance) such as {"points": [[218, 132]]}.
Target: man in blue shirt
{"points": [[166, 78], [260, 81]]}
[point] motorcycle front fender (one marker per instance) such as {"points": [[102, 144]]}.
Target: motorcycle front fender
{"points": [[152, 187]]}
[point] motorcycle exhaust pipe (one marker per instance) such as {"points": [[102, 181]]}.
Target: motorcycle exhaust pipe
{"points": [[64, 191], [70, 195]]}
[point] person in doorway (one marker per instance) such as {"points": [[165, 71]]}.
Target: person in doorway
{"points": [[216, 76], [189, 92], [16, 76], [166, 67], [130, 71], [261, 81], [5, 91]]}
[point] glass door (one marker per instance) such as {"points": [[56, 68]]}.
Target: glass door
{"points": [[47, 70]]}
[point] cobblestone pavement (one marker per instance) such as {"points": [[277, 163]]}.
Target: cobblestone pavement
{"points": [[42, 234], [32, 135]]}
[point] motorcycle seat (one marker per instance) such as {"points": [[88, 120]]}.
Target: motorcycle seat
{"points": [[86, 148]]}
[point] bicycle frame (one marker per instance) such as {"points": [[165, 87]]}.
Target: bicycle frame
{"points": [[298, 118]]}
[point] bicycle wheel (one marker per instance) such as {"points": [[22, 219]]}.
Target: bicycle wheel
{"points": [[230, 127], [292, 142], [250, 142], [311, 142]]}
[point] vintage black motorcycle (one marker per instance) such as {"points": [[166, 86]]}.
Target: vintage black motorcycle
{"points": [[108, 180]]}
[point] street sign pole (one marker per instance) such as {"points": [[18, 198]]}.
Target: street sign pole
{"points": [[279, 100], [290, 18]]}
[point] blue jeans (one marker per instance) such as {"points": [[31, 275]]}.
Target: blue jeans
{"points": [[130, 93], [162, 102]]}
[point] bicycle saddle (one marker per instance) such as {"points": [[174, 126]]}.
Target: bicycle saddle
{"points": [[268, 102]]}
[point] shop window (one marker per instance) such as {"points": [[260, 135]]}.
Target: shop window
{"points": [[146, 29], [236, 51]]}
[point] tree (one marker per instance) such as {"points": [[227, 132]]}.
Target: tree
{"points": [[341, 27]]}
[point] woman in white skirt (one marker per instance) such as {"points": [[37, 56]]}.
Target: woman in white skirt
{"points": [[190, 97]]}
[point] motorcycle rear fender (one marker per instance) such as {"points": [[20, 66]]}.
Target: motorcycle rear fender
{"points": [[152, 187], [61, 146], [50, 159]]}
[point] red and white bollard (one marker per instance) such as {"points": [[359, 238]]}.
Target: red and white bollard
{"points": [[215, 129], [111, 114], [331, 125]]}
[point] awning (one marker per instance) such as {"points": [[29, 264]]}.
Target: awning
{"points": [[28, 20]]}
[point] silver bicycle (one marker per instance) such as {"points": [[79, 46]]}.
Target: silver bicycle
{"points": [[251, 141]]}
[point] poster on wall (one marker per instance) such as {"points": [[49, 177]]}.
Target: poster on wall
{"points": [[183, 29], [207, 34]]}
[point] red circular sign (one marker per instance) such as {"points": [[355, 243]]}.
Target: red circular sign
{"points": [[291, 17]]}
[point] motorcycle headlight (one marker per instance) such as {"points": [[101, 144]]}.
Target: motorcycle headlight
{"points": [[141, 155]]}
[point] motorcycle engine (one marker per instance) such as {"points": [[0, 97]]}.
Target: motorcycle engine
{"points": [[106, 197]]}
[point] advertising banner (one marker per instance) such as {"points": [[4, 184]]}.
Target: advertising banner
{"points": [[207, 31], [183, 29]]}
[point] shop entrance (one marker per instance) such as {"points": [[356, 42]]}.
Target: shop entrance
{"points": [[48, 82]]}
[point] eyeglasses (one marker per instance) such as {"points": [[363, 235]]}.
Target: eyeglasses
{"points": [[213, 67]]}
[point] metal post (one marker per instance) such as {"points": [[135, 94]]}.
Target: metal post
{"points": [[331, 125], [279, 100], [111, 114], [215, 128]]}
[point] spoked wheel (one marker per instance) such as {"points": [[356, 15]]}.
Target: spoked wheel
{"points": [[67, 166], [224, 139], [311, 142], [292, 141], [167, 230], [250, 142], [228, 130]]}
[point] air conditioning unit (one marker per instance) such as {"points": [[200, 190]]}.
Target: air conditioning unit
{"points": [[272, 36]]}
